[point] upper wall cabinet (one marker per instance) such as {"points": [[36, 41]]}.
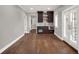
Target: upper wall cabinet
{"points": [[50, 16], [40, 16]]}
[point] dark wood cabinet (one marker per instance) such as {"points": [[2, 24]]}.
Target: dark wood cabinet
{"points": [[46, 17], [44, 30], [50, 16], [40, 16]]}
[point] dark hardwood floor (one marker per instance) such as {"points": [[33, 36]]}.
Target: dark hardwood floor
{"points": [[40, 44]]}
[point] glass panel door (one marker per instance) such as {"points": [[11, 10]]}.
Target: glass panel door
{"points": [[73, 25], [70, 25], [67, 25]]}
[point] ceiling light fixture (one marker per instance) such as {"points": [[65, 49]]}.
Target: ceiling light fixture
{"points": [[48, 8], [31, 8]]}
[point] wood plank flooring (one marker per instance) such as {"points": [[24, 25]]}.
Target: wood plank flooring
{"points": [[40, 44]]}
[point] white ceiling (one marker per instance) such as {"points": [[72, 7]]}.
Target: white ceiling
{"points": [[35, 8]]}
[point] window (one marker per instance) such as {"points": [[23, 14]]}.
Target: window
{"points": [[56, 21]]}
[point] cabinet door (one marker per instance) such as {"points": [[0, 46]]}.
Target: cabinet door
{"points": [[50, 16], [40, 16]]}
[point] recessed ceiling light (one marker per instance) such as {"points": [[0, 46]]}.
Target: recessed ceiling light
{"points": [[48, 8], [31, 8]]}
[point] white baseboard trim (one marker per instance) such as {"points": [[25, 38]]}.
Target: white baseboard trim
{"points": [[10, 44], [74, 46], [27, 32], [64, 40], [59, 37]]}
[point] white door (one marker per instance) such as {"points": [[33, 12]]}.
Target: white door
{"points": [[70, 24], [67, 27], [33, 22], [25, 24]]}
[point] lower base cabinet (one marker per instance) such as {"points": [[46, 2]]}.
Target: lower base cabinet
{"points": [[44, 30]]}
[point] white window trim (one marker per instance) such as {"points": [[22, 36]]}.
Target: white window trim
{"points": [[56, 21]]}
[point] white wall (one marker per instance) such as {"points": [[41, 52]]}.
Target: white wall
{"points": [[11, 24], [78, 29]]}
